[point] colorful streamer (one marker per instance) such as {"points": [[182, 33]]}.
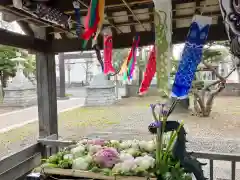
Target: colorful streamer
{"points": [[94, 19], [76, 6], [101, 7], [149, 73], [108, 67], [124, 66], [91, 20], [191, 57], [129, 63], [133, 61]]}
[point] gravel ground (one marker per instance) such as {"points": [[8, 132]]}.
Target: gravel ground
{"points": [[129, 119]]}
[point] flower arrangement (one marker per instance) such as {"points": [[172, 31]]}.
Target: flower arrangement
{"points": [[172, 162], [165, 157]]}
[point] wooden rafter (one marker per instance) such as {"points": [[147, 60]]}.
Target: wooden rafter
{"points": [[26, 28], [173, 15], [114, 30], [119, 6], [134, 15], [124, 40], [131, 19], [23, 41]]}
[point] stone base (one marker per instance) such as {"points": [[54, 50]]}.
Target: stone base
{"points": [[100, 96], [63, 98], [20, 98], [101, 92]]}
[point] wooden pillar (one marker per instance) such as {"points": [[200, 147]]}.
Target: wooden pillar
{"points": [[46, 91], [62, 93]]}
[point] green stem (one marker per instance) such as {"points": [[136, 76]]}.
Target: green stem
{"points": [[164, 120], [171, 141]]}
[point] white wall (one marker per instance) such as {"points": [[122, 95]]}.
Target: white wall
{"points": [[77, 71]]}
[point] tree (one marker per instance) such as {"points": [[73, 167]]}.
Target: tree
{"points": [[204, 96], [30, 67], [7, 67], [118, 56], [87, 65]]}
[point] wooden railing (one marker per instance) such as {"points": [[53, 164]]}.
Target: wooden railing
{"points": [[233, 158]]}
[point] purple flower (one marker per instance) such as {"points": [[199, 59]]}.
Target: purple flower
{"points": [[155, 124], [106, 157], [152, 106]]}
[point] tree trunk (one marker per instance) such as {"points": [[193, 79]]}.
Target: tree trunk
{"points": [[238, 72], [203, 100], [202, 110], [140, 76], [3, 84]]}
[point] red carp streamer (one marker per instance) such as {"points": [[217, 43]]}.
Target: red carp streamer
{"points": [[149, 73], [108, 67]]}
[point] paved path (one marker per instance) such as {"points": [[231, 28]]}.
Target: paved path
{"points": [[22, 117]]}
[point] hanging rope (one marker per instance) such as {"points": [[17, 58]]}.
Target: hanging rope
{"points": [[204, 7]]}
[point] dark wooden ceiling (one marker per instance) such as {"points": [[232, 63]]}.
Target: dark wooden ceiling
{"points": [[124, 22]]}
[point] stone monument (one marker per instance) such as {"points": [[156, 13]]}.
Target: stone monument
{"points": [[100, 92], [20, 92]]}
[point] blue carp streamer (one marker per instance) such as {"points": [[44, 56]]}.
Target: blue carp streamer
{"points": [[191, 57]]}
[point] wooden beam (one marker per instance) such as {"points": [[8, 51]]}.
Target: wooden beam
{"points": [[173, 15], [151, 9], [111, 21], [115, 6], [46, 90], [84, 55], [22, 41], [134, 15], [5, 2], [217, 13], [26, 28], [124, 40], [197, 3], [131, 19], [216, 33]]}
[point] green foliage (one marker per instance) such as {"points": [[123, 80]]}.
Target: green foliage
{"points": [[119, 56], [30, 67], [7, 67], [211, 55]]}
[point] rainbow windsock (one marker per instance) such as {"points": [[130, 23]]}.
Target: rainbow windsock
{"points": [[94, 19], [132, 58]]}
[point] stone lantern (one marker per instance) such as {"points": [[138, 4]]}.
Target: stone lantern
{"points": [[21, 92]]}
